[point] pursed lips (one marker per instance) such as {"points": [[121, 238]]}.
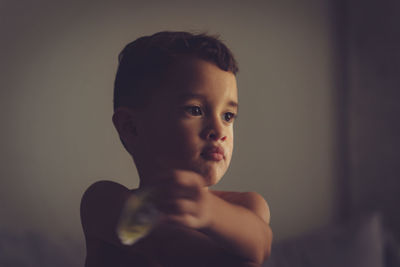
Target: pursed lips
{"points": [[214, 153]]}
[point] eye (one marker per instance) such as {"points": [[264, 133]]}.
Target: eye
{"points": [[229, 116], [194, 110]]}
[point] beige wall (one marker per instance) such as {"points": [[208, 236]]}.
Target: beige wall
{"points": [[58, 62]]}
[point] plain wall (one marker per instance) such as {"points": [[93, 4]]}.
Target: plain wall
{"points": [[374, 109], [58, 61]]}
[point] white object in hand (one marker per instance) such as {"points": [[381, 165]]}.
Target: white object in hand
{"points": [[138, 217]]}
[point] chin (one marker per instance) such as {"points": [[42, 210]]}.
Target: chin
{"points": [[211, 173], [212, 178]]}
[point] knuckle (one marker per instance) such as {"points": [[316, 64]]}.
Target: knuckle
{"points": [[187, 219], [179, 206]]}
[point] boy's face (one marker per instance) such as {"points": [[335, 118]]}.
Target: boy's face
{"points": [[188, 123]]}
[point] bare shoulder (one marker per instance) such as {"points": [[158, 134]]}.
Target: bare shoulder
{"points": [[250, 200], [105, 185], [101, 190], [100, 209]]}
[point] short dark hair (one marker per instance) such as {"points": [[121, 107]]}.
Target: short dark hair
{"points": [[143, 62]]}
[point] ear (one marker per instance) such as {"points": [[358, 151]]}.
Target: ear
{"points": [[124, 120]]}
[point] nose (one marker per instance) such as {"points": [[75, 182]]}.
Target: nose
{"points": [[215, 137], [215, 131]]}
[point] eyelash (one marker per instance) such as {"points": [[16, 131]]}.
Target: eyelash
{"points": [[196, 111], [232, 116]]}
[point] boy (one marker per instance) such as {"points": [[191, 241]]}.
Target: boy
{"points": [[175, 101]]}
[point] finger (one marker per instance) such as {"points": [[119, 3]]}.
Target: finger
{"points": [[183, 185], [191, 193], [187, 178], [177, 207], [181, 178], [186, 220]]}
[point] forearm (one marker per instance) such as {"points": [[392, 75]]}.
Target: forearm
{"points": [[240, 231]]}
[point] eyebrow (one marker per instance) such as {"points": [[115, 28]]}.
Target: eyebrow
{"points": [[187, 96]]}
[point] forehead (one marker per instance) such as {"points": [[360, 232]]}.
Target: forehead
{"points": [[196, 77]]}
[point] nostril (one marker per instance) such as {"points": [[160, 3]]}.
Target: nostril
{"points": [[223, 138]]}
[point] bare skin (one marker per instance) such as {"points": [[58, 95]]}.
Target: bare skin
{"points": [[170, 243], [182, 144]]}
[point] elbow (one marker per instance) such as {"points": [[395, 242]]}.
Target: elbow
{"points": [[263, 251], [260, 258], [262, 254], [267, 254], [267, 245]]}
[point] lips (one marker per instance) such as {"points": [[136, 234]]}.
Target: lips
{"points": [[214, 153]]}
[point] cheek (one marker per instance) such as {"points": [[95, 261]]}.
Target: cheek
{"points": [[230, 141], [187, 129], [189, 140], [183, 137], [229, 148], [230, 155]]}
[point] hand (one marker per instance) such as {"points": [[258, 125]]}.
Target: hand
{"points": [[183, 199]]}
